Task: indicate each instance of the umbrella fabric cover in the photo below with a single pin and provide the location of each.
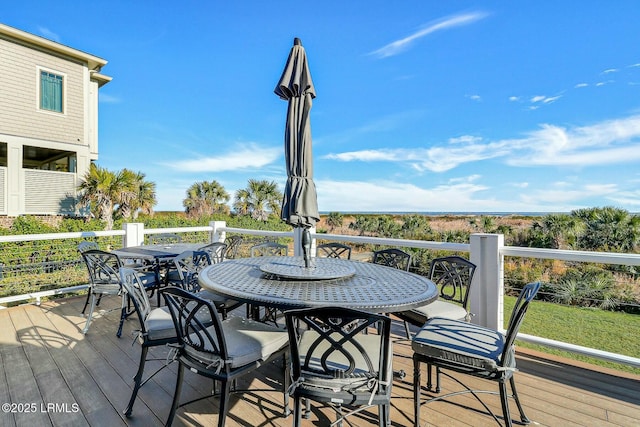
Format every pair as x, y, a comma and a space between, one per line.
300, 201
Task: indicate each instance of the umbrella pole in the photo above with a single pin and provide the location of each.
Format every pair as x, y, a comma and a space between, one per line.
306, 246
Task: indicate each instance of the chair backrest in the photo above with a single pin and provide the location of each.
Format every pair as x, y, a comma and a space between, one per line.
393, 257
329, 343
269, 249
334, 250
520, 308
216, 251
103, 266
233, 245
87, 245
189, 313
453, 275
134, 288
164, 238
188, 264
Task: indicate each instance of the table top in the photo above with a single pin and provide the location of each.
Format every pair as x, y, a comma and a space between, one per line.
152, 252
371, 287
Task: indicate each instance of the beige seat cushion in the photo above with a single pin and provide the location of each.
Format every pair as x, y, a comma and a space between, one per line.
159, 324
441, 308
247, 341
357, 381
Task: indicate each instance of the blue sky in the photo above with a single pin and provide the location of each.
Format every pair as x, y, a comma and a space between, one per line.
456, 106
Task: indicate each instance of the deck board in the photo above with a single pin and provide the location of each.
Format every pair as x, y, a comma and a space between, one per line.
46, 359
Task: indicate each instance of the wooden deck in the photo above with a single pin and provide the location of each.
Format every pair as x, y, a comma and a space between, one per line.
54, 375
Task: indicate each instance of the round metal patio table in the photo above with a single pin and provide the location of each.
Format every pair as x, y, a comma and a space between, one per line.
284, 283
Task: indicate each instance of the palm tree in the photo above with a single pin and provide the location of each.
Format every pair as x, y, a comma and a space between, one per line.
562, 229
98, 191
362, 224
242, 204
414, 225
146, 198
135, 194
205, 198
609, 229
335, 219
259, 199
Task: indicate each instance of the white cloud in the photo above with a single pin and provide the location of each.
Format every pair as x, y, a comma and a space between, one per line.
545, 99
245, 156
401, 45
627, 198
604, 143
108, 99
514, 98
465, 139
474, 97
436, 159
579, 85
368, 156
608, 142
455, 196
395, 196
610, 70
47, 33
562, 194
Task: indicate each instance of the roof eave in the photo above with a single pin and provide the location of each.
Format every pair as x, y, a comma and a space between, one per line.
93, 62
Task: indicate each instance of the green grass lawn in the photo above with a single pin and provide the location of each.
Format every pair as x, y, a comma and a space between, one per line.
610, 331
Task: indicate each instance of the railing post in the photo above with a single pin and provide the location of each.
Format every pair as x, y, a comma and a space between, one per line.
487, 289
133, 234
217, 234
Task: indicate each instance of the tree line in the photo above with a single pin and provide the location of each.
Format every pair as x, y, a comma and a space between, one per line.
601, 229
108, 196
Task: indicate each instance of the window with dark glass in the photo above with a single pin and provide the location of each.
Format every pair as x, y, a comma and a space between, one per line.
48, 159
51, 91
3, 154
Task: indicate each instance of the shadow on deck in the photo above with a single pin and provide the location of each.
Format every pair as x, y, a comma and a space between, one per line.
54, 375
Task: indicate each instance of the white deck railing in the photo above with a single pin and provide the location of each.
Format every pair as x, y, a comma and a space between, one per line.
487, 251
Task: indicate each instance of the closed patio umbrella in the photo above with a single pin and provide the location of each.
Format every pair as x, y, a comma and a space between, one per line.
300, 201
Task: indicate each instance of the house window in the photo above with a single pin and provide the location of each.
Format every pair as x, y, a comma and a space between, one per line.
48, 159
3, 154
51, 91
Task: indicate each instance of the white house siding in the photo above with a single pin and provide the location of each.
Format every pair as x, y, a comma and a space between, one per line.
19, 84
3, 192
49, 193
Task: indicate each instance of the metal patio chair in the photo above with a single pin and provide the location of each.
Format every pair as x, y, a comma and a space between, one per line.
86, 245
216, 250
396, 258
334, 250
104, 279
156, 328
453, 275
334, 363
224, 351
184, 275
269, 249
233, 245
465, 348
